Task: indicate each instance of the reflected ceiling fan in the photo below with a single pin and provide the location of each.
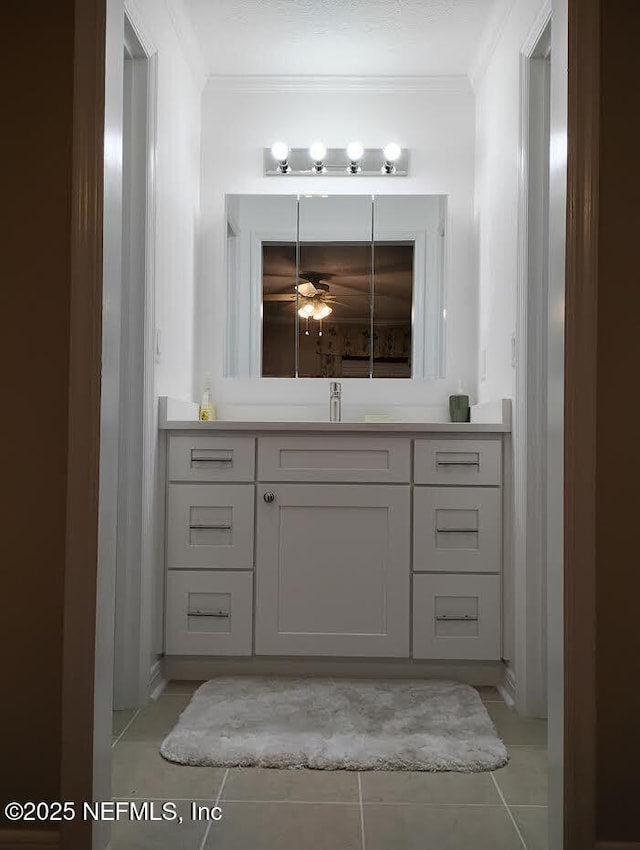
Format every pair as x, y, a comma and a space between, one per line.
312, 297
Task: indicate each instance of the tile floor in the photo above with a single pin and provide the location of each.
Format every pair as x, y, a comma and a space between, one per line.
322, 810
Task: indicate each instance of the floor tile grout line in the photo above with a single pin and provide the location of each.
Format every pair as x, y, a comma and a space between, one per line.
353, 803
509, 812
217, 803
222, 784
364, 846
117, 740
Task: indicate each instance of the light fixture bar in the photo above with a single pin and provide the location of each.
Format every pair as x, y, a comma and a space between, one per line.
336, 164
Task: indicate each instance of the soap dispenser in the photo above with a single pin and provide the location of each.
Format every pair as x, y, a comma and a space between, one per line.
459, 405
207, 410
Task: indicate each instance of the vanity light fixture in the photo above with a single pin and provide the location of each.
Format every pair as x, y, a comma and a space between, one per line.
392, 153
351, 160
355, 152
318, 152
280, 152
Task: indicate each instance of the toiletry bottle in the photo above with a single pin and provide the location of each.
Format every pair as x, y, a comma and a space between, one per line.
459, 405
207, 410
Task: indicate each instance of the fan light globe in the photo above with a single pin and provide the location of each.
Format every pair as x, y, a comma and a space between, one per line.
355, 151
280, 151
318, 151
322, 312
392, 152
306, 311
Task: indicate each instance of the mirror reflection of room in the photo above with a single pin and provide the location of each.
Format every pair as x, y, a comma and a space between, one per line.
346, 297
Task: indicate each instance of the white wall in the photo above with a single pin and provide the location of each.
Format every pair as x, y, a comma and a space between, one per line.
496, 212
177, 192
438, 128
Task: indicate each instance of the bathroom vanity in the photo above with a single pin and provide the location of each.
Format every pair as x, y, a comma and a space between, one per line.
336, 540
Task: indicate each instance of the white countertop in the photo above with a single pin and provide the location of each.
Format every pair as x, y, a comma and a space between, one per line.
340, 427
489, 418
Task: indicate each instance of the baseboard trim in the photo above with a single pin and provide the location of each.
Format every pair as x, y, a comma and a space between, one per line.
29, 839
157, 680
201, 668
507, 687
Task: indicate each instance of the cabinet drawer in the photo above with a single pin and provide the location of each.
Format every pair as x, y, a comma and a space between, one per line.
469, 462
339, 459
209, 613
457, 529
456, 617
206, 458
210, 525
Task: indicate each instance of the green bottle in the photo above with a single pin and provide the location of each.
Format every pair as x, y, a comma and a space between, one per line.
459, 405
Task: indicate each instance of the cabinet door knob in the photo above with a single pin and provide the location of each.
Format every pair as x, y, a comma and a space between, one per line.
269, 497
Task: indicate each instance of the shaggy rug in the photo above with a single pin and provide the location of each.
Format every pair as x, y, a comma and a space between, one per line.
336, 724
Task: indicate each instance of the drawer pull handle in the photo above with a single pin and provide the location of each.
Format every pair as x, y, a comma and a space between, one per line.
269, 497
222, 615
457, 618
458, 463
224, 460
457, 530
223, 526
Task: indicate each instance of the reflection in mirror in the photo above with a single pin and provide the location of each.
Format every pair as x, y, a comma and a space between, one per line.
279, 310
343, 270
392, 303
338, 286
255, 222
336, 271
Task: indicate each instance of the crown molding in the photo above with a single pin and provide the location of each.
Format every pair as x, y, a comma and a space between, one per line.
259, 84
489, 41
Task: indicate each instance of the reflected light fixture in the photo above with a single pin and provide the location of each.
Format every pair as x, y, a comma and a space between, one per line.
306, 311
392, 153
355, 152
318, 152
321, 311
280, 152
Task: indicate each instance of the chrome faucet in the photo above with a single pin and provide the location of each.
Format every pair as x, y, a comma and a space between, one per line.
335, 402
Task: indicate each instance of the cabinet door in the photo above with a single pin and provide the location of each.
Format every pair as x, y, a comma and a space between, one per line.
333, 570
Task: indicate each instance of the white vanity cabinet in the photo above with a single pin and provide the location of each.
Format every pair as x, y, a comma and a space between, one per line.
334, 541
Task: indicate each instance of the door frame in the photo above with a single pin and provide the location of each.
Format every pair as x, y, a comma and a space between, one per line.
580, 397
81, 571
136, 485
530, 424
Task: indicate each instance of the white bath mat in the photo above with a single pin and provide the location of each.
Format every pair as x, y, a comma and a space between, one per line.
336, 724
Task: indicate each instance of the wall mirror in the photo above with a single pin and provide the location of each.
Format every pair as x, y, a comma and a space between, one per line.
335, 286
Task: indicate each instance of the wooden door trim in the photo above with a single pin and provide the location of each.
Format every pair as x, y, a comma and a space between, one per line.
85, 363
581, 309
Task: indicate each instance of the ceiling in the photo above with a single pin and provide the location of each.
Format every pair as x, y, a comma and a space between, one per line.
338, 37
